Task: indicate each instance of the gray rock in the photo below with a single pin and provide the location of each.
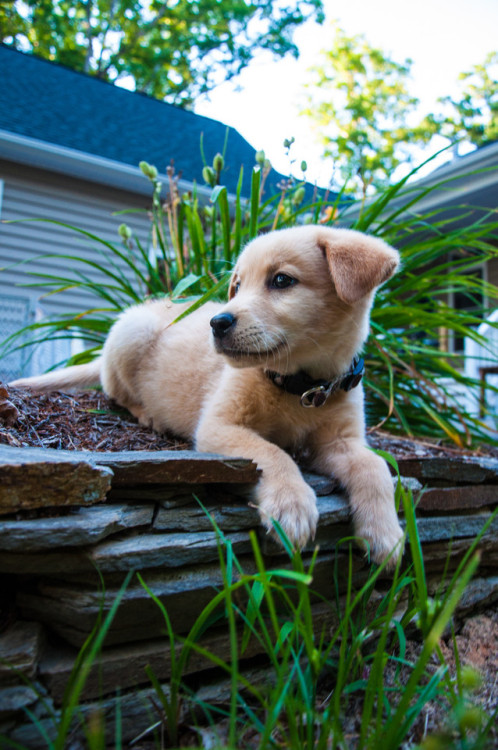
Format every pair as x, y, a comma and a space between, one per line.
15, 698
72, 611
137, 712
173, 467
439, 554
194, 518
123, 666
39, 478
459, 498
79, 527
321, 484
19, 651
165, 495
440, 528
138, 552
464, 469
332, 509
409, 483
162, 550
479, 592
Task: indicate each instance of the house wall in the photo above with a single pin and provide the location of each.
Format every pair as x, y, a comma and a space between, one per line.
493, 273
35, 194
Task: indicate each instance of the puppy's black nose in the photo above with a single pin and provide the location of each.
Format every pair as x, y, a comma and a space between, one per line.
222, 323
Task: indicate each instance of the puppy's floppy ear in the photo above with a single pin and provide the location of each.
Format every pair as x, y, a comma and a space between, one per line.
358, 263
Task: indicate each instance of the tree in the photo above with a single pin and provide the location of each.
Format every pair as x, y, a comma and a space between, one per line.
172, 49
360, 106
474, 116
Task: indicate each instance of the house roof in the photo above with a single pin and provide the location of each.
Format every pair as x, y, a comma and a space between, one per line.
469, 180
462, 190
63, 113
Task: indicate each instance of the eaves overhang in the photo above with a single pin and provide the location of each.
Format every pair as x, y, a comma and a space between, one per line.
40, 154
468, 181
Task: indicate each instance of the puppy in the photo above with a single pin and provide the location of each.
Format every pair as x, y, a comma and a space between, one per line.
276, 369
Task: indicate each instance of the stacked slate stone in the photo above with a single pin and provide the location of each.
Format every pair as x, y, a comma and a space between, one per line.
73, 524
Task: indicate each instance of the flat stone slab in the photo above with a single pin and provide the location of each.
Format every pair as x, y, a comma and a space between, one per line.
230, 516
41, 478
124, 666
458, 498
136, 712
74, 529
441, 528
72, 610
14, 699
19, 651
138, 552
162, 550
181, 536
172, 467
190, 517
464, 469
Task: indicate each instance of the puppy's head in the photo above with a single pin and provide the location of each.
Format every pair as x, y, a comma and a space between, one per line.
300, 298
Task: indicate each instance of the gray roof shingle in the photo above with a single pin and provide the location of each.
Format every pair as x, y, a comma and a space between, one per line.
49, 102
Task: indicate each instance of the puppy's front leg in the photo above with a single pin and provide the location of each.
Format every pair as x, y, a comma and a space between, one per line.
367, 480
281, 492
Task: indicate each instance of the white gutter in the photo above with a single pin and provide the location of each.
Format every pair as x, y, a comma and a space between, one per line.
97, 169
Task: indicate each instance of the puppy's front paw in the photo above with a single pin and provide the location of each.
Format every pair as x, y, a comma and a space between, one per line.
293, 505
381, 535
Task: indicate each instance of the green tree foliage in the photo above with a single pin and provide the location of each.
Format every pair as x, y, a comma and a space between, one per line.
173, 49
359, 102
473, 116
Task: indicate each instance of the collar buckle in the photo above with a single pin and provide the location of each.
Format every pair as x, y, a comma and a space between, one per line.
317, 396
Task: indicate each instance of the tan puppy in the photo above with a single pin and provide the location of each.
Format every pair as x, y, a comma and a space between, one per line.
299, 303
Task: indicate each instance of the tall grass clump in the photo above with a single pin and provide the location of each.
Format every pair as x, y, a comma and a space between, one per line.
338, 674
412, 376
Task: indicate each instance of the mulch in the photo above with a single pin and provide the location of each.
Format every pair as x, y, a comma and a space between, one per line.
85, 421
89, 421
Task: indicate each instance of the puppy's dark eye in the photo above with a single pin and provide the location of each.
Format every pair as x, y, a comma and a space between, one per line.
236, 287
282, 281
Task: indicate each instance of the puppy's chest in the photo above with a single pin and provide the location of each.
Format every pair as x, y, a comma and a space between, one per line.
291, 425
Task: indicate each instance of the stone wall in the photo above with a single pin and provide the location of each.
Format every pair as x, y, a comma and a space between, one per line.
68, 519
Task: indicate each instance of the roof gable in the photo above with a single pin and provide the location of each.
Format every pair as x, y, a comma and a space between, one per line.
46, 101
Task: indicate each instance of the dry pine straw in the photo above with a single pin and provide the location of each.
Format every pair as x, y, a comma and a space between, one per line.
89, 421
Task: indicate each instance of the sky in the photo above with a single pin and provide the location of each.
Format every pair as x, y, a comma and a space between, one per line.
442, 37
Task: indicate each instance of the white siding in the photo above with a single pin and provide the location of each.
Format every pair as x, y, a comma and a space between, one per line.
34, 194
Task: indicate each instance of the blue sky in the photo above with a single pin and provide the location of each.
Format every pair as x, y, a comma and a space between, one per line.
442, 37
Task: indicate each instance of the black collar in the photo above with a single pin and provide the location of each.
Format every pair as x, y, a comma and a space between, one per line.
316, 392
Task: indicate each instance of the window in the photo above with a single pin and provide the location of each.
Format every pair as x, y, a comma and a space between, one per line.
471, 301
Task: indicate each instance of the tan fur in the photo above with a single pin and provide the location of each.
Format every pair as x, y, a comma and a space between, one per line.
172, 376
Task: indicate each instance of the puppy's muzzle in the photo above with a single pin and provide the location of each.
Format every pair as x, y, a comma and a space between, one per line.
222, 324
